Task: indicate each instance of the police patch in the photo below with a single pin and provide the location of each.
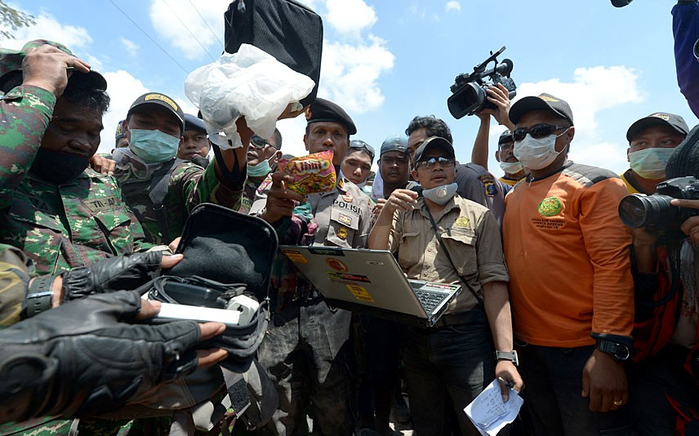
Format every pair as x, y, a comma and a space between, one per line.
342, 233
462, 222
550, 206
345, 219
488, 185
348, 198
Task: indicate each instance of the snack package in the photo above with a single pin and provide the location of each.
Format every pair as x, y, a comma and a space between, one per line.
311, 174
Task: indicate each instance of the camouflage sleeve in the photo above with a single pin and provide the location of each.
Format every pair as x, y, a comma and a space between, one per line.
14, 279
199, 185
25, 113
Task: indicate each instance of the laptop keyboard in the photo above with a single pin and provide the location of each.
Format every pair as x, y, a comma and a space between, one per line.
430, 299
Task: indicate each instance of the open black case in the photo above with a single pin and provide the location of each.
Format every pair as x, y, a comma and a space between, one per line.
226, 254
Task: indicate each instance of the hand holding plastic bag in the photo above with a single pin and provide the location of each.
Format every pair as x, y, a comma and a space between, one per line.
249, 83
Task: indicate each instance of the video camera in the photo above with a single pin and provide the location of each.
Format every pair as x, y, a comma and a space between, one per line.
655, 211
469, 90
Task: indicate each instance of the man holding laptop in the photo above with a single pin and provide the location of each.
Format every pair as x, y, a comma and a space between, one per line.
441, 237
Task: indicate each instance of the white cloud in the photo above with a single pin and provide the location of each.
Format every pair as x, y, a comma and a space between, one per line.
350, 16
453, 6
47, 27
292, 135
165, 16
593, 90
130, 46
350, 73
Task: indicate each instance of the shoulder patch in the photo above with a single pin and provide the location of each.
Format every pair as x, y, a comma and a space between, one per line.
489, 185
587, 175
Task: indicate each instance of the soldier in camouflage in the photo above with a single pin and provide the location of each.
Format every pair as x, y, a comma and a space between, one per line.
158, 187
59, 212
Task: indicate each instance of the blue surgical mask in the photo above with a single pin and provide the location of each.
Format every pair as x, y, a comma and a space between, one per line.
650, 163
153, 146
259, 170
440, 194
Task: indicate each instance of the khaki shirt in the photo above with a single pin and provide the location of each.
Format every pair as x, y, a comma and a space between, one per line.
472, 237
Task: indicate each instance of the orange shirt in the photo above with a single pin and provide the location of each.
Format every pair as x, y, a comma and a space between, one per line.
567, 252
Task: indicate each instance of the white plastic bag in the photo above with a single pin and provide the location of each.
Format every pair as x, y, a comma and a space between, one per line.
249, 83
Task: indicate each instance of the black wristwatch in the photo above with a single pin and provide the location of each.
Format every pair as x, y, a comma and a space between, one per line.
508, 355
39, 296
618, 351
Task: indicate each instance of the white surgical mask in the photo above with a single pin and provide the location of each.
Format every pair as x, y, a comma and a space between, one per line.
650, 163
511, 167
537, 154
440, 194
261, 169
153, 146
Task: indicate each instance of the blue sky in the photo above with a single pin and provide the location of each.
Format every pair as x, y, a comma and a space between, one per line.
387, 61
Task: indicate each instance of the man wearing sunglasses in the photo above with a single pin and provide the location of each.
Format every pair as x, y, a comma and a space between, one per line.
571, 287
442, 237
263, 155
474, 182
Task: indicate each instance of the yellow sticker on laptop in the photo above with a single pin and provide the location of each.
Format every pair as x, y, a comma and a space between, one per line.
360, 293
295, 256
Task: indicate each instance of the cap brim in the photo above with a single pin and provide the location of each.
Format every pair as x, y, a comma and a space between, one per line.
647, 122
528, 104
431, 143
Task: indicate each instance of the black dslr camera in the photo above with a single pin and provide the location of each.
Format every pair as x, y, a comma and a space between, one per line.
655, 211
468, 91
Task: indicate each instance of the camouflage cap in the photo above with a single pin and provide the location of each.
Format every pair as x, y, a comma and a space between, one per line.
11, 65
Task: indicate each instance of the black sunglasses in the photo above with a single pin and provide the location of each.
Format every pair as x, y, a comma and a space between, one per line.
431, 162
361, 145
536, 131
259, 142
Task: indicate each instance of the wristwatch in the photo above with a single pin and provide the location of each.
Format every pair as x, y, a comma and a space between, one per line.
508, 355
618, 351
39, 296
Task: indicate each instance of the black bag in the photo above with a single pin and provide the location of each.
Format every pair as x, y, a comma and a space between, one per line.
286, 29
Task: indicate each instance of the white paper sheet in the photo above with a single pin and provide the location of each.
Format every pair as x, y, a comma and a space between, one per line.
489, 414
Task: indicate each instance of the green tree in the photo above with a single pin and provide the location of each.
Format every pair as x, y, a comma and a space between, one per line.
13, 19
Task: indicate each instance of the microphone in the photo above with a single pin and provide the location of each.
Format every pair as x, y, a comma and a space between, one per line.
620, 3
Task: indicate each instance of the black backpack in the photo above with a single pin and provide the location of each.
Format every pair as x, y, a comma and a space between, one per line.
286, 29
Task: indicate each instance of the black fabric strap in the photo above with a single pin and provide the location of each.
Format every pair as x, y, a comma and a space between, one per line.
463, 281
39, 296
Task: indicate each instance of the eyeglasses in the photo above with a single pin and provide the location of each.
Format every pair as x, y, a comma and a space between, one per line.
431, 162
506, 143
361, 145
395, 160
537, 131
259, 142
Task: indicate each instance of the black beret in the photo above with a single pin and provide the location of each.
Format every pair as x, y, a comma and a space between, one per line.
327, 111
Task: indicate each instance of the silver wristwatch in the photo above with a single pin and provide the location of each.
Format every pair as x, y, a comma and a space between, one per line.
507, 355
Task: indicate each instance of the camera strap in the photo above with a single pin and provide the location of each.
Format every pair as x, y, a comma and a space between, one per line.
463, 281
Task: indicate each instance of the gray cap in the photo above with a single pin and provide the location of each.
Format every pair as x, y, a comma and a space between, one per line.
505, 137
433, 142
541, 102
394, 143
676, 122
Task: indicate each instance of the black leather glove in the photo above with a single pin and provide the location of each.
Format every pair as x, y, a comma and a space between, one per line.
83, 358
113, 274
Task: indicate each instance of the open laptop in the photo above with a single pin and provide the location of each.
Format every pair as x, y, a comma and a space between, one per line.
371, 281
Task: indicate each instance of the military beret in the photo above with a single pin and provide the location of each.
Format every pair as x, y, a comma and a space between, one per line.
322, 110
11, 65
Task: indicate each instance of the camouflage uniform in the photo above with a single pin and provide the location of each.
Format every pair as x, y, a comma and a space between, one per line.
58, 227
305, 349
188, 185
14, 279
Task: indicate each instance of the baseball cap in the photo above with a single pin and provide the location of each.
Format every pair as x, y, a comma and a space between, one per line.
658, 119
161, 100
394, 143
433, 142
541, 102
505, 137
327, 111
11, 66
119, 133
193, 123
